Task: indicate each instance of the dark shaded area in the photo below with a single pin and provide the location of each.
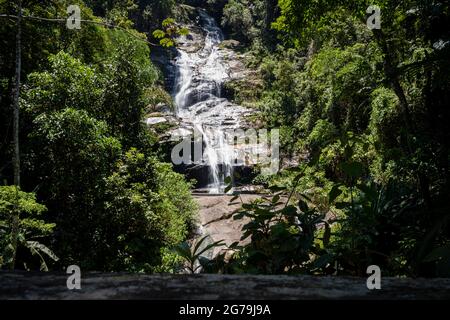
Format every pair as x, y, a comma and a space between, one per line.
222, 287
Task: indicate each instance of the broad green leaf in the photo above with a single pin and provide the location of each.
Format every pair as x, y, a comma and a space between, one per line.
167, 22
198, 244
334, 193
159, 34
233, 199
166, 42
210, 246
275, 199
183, 31
228, 188
238, 216
326, 234
353, 169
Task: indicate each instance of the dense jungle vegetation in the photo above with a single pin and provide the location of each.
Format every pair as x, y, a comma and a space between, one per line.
363, 115
93, 191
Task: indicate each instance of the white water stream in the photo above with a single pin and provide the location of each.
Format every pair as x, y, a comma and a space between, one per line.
197, 95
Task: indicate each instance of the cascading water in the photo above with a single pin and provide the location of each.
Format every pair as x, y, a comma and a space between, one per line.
199, 105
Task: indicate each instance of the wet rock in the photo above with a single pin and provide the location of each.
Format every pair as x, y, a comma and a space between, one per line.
231, 44
155, 120
185, 13
163, 59
203, 66
162, 108
193, 42
158, 117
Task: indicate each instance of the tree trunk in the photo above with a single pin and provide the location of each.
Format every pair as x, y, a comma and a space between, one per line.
16, 160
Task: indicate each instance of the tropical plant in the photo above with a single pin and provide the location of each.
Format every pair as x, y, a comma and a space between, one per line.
171, 30
284, 238
21, 227
192, 255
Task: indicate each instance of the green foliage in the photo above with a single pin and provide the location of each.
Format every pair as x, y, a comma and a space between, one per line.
321, 135
365, 126
193, 255
111, 217
167, 37
159, 34
283, 237
385, 116
20, 227
85, 149
70, 153
129, 73
153, 13
68, 84
238, 17
380, 225
154, 96
112, 91
84, 116
147, 207
301, 20
77, 147
365, 112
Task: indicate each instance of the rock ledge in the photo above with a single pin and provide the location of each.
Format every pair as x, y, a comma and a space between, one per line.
30, 285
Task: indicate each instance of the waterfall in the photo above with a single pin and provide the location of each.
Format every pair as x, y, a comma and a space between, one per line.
197, 95
184, 79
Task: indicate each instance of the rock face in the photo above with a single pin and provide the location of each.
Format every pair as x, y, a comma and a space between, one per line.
162, 58
216, 221
27, 285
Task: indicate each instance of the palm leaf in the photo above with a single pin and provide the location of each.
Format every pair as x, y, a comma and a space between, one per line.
39, 247
210, 246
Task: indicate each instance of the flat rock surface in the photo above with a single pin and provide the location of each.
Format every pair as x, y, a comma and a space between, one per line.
28, 285
215, 218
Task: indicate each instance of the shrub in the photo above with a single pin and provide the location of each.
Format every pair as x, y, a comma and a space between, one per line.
21, 227
148, 209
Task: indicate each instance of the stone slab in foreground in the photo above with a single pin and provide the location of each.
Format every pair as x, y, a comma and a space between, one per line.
23, 285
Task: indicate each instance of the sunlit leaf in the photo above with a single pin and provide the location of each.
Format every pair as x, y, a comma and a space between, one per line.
159, 34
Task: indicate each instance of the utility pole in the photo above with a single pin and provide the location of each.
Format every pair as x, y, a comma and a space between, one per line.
16, 158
